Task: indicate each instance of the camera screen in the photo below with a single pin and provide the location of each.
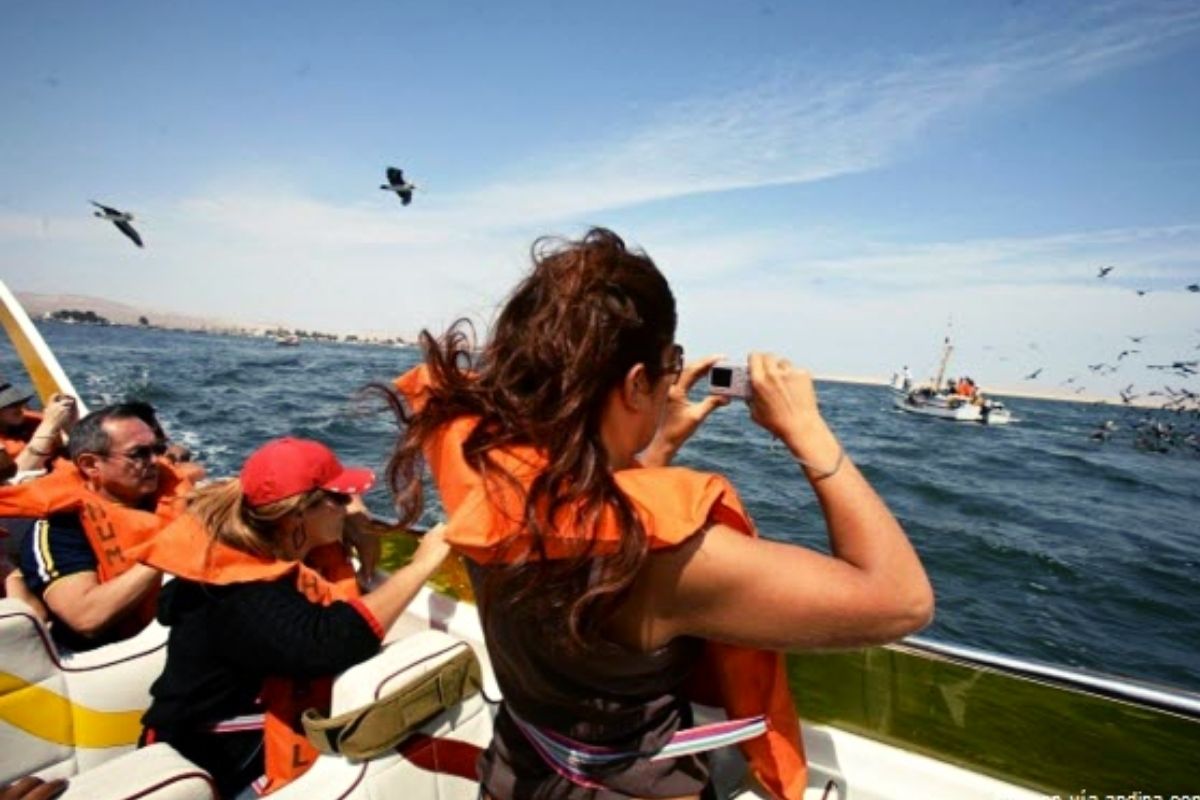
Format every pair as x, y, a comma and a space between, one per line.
721, 377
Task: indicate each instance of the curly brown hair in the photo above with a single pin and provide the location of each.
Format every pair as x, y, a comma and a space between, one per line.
587, 312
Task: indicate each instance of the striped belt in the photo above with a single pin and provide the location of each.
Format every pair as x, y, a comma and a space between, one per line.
573, 759
245, 722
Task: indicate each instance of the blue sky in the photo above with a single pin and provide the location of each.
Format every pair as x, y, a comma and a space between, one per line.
830, 181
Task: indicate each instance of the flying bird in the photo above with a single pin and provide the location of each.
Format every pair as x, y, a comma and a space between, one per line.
119, 218
1103, 273
1135, 339
1033, 375
1141, 292
397, 184
1193, 287
1182, 368
1124, 353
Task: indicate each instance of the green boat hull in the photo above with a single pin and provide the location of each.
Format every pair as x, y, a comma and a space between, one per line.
1034, 733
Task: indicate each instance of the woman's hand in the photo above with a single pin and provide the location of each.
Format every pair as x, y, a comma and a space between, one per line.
432, 550
58, 417
784, 402
683, 417
60, 413
32, 788
388, 601
360, 533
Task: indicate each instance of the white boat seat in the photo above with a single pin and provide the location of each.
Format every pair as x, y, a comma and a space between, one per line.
392, 775
63, 714
156, 772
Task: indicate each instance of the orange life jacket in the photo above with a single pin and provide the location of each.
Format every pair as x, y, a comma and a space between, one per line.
115, 532
186, 550
673, 504
16, 440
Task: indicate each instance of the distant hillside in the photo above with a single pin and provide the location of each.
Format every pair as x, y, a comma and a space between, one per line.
123, 314
38, 305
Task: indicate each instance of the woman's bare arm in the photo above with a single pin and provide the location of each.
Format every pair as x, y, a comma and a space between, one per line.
726, 586
388, 601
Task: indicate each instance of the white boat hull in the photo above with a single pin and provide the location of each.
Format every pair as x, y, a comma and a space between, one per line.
957, 409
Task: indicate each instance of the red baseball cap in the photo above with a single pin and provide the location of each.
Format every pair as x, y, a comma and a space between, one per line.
286, 467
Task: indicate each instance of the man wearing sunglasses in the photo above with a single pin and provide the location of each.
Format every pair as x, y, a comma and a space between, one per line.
93, 516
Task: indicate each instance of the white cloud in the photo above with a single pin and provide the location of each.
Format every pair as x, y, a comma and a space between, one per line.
802, 128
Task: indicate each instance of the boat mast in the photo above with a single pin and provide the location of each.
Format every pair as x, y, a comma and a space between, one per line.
947, 349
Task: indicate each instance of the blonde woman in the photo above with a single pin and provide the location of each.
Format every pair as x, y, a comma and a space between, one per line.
266, 608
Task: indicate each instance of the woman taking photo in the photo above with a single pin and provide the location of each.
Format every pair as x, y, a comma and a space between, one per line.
264, 610
613, 587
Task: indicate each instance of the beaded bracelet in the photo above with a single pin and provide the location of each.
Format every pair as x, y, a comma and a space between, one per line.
820, 474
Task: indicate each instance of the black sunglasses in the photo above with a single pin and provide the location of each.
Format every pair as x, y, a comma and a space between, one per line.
674, 365
321, 495
142, 453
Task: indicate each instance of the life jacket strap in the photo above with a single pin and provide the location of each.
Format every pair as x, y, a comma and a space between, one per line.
378, 727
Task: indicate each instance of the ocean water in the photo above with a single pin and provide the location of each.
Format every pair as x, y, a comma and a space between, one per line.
1041, 542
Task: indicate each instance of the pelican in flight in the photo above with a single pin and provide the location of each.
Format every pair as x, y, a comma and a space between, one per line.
119, 218
1033, 375
1103, 273
397, 184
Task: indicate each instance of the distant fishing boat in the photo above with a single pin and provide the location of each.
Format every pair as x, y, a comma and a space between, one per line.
914, 719
957, 403
287, 341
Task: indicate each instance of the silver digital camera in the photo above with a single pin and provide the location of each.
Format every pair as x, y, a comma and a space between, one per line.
731, 380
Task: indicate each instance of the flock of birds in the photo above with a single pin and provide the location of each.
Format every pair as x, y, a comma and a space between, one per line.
1173, 423
396, 183
1103, 273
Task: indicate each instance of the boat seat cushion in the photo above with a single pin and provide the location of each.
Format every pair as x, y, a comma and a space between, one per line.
156, 772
